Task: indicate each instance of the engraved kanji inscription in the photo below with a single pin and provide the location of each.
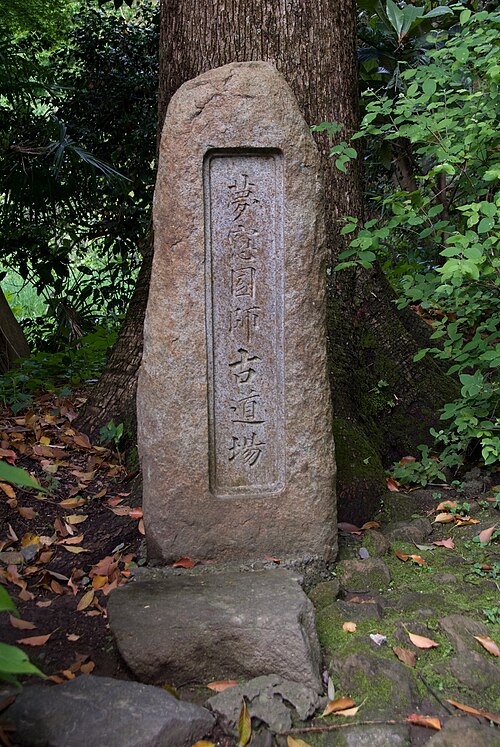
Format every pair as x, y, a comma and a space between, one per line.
244, 291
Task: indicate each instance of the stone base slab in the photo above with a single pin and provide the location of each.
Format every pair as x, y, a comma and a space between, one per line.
212, 626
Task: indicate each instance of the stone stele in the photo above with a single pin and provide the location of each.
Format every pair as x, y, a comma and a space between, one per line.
234, 409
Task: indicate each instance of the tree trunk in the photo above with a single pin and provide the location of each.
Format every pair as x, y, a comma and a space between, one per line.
383, 402
13, 343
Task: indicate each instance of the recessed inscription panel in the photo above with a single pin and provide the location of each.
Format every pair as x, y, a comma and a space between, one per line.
243, 195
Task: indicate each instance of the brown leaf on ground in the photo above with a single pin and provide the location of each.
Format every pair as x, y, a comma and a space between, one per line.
444, 518
87, 668
475, 711
427, 721
421, 641
8, 490
489, 644
184, 563
466, 521
405, 655
371, 525
349, 627
21, 624
446, 505
338, 704
486, 534
35, 640
219, 686
140, 527
346, 527
445, 543
135, 513
407, 460
393, 485
85, 601
72, 502
72, 548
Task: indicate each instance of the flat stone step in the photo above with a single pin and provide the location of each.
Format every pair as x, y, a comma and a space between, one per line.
208, 626
102, 711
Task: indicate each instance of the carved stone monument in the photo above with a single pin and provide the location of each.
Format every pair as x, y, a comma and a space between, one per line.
233, 400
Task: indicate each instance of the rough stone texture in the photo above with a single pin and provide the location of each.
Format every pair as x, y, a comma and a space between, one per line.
324, 593
378, 675
102, 711
474, 671
460, 631
266, 698
211, 492
363, 575
465, 732
409, 531
375, 542
380, 735
178, 629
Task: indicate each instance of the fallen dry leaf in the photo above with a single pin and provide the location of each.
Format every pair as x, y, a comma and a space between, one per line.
27, 513
444, 518
184, 563
446, 505
346, 527
407, 460
71, 502
405, 655
338, 704
349, 711
445, 543
219, 686
392, 485
371, 525
82, 440
271, 559
486, 535
135, 513
88, 667
475, 711
421, 641
35, 640
244, 726
489, 644
21, 624
430, 723
46, 603
73, 637
76, 518
349, 627
291, 742
466, 521
140, 527
203, 743
72, 548
86, 600
8, 490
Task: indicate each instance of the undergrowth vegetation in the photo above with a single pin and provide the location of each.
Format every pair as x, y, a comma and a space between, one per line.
437, 232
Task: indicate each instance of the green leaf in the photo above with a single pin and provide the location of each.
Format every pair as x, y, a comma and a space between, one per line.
244, 726
485, 225
15, 661
464, 16
442, 10
6, 603
395, 16
18, 476
429, 86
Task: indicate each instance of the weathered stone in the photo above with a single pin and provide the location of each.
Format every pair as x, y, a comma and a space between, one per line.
389, 685
409, 531
375, 542
180, 628
460, 631
102, 711
411, 601
363, 575
474, 671
442, 579
465, 732
234, 425
266, 698
356, 612
324, 593
379, 735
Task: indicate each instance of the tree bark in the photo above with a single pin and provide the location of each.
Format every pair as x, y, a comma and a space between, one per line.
383, 401
13, 343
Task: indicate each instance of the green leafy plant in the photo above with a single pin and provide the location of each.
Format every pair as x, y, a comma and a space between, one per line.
111, 433
437, 236
13, 661
492, 615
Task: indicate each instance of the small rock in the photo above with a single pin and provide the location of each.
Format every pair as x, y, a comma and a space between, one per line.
363, 553
460, 630
375, 542
444, 578
265, 697
411, 601
363, 575
474, 671
389, 684
409, 531
102, 711
325, 593
465, 732
357, 612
